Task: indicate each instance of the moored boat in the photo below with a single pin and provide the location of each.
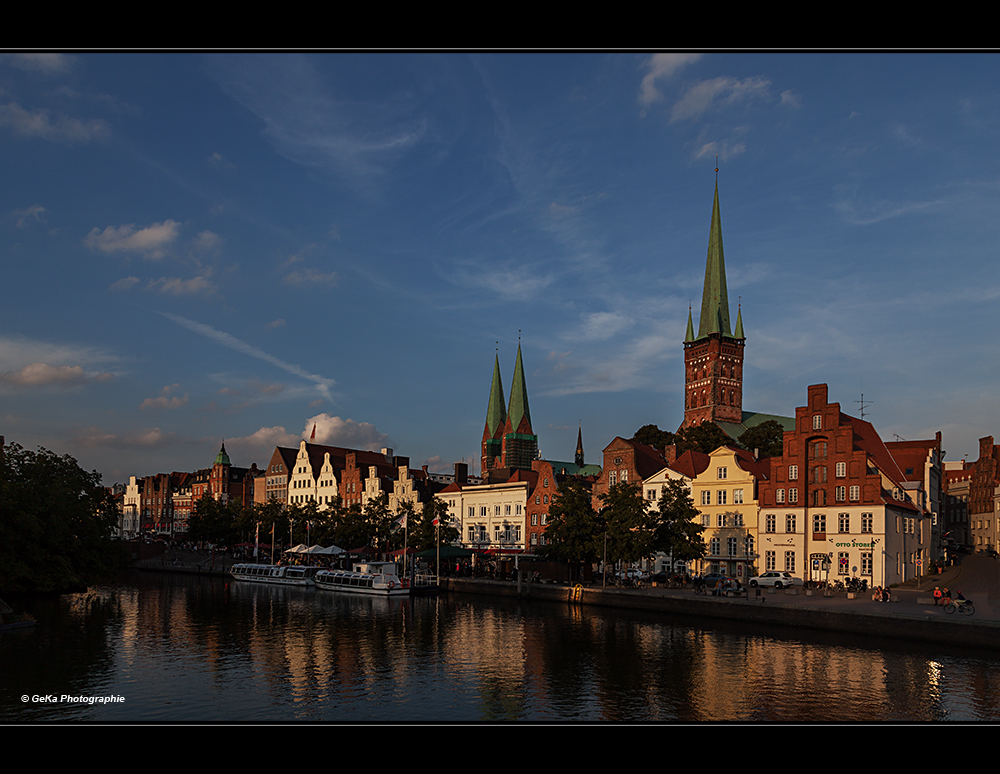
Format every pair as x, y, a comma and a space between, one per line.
270, 573
377, 578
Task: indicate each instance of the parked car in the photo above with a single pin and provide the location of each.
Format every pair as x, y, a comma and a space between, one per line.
779, 580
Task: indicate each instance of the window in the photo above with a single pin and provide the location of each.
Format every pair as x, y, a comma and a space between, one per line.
720, 520
843, 563
844, 522
545, 519
779, 496
706, 520
817, 450
722, 473
790, 525
769, 561
819, 523
748, 545
770, 523
817, 421
731, 546
789, 561
612, 478
866, 564
818, 474
706, 497
538, 500
545, 483
840, 494
737, 496
714, 546
819, 497
545, 499
506, 510
650, 494
721, 497
793, 495
855, 493
793, 472
624, 476
841, 469
534, 520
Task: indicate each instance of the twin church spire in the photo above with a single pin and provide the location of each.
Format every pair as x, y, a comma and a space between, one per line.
508, 440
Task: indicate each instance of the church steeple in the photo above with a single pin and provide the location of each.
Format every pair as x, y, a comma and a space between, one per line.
715, 297
520, 444
496, 418
713, 361
579, 446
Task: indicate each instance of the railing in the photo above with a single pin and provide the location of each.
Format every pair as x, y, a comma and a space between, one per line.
425, 579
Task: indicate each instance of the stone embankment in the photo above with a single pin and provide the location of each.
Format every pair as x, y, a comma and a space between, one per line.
911, 615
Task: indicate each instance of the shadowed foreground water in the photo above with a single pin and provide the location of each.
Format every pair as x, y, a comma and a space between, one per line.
165, 648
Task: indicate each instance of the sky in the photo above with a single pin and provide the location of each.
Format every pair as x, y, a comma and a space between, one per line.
198, 247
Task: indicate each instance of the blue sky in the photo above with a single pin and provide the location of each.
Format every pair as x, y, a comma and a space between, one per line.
199, 247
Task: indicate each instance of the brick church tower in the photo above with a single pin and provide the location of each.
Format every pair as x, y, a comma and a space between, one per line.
508, 440
713, 360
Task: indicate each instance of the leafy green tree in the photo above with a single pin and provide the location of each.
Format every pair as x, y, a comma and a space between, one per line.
575, 531
426, 535
705, 437
674, 523
56, 523
652, 435
624, 513
767, 437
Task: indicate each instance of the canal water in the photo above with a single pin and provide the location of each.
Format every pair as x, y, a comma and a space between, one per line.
166, 648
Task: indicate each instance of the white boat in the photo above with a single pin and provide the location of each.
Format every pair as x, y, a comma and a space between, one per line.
377, 578
291, 575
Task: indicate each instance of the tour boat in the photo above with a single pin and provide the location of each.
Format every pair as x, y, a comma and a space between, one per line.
271, 573
378, 578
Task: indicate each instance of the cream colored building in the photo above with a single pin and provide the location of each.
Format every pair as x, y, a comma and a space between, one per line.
492, 515
725, 494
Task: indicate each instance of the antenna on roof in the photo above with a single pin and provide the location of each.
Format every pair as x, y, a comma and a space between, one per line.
863, 404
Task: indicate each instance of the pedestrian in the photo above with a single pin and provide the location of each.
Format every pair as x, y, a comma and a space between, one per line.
937, 595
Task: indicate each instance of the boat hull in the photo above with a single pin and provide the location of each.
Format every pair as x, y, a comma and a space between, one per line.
281, 576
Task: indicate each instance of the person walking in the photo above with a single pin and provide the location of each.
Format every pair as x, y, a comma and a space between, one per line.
937, 595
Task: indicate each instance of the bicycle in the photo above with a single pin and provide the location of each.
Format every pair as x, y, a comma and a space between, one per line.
965, 606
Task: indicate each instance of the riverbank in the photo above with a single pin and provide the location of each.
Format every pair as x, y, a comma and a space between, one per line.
911, 615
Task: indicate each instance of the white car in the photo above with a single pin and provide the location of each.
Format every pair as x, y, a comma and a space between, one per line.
779, 580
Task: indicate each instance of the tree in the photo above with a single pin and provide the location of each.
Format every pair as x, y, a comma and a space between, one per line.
705, 437
56, 523
652, 435
767, 437
629, 538
676, 530
575, 532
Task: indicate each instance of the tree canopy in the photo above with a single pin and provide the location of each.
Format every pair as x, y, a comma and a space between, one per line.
767, 437
705, 437
56, 523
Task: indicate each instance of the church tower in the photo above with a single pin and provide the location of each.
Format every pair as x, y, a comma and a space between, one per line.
713, 360
520, 444
496, 417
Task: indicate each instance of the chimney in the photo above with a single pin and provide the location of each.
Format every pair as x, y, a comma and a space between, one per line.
461, 473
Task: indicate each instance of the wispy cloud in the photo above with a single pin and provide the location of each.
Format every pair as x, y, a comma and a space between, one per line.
28, 214
165, 400
323, 384
722, 90
43, 125
41, 374
150, 241
661, 67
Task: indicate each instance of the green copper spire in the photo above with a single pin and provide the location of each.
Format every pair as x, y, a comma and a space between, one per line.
689, 336
222, 458
739, 324
518, 408
715, 299
495, 414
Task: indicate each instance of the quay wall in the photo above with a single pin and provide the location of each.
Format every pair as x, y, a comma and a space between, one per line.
950, 631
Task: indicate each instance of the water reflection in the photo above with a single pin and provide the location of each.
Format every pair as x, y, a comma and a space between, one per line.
196, 649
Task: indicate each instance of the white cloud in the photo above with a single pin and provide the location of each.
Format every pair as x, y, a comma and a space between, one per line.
182, 287
311, 277
37, 374
28, 214
46, 63
265, 438
125, 283
704, 94
165, 400
150, 241
41, 124
334, 431
662, 67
